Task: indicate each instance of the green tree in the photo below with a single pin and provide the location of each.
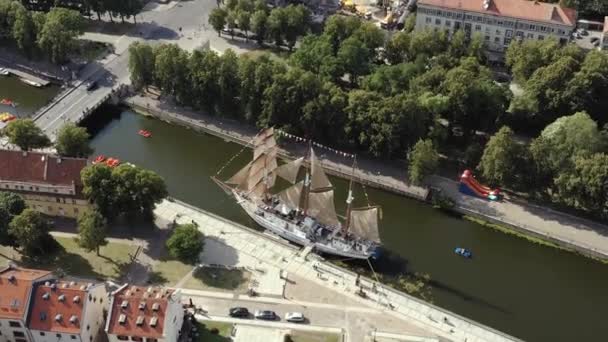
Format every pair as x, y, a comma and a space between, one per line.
355, 58
11, 205
231, 4
588, 89
424, 161
244, 20
59, 32
392, 79
73, 141
231, 20
525, 57
397, 48
500, 163
203, 77
338, 28
186, 243
137, 191
217, 19
170, 70
260, 5
229, 82
259, 25
141, 64
428, 43
277, 25
371, 36
31, 232
99, 187
245, 6
297, 23
92, 231
25, 134
24, 30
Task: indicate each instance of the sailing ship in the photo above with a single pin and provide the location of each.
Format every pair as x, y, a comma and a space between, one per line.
304, 212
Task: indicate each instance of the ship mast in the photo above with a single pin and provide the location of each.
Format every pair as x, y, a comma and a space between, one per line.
349, 197
307, 182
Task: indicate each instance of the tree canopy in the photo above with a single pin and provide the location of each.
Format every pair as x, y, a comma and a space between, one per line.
424, 161
73, 141
11, 205
92, 231
186, 243
25, 134
31, 232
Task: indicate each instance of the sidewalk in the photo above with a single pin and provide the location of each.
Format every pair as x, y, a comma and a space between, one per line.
571, 232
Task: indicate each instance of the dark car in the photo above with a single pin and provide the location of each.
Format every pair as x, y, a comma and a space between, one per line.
238, 312
266, 315
90, 85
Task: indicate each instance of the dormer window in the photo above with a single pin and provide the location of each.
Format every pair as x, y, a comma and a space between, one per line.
122, 319
153, 321
46, 296
140, 320
155, 307
142, 306
61, 298
58, 317
73, 319
76, 299
124, 304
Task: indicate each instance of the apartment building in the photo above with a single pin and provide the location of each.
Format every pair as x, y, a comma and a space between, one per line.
48, 184
144, 314
67, 311
498, 21
15, 293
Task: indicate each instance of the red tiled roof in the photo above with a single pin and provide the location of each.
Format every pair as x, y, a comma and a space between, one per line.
39, 167
132, 297
58, 307
522, 9
15, 286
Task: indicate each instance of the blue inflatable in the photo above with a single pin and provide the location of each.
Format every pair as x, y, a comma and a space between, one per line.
463, 252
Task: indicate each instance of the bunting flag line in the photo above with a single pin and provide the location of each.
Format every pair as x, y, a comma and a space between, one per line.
300, 139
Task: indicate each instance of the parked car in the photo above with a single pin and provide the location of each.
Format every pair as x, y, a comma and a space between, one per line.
595, 39
238, 312
90, 85
294, 317
596, 43
265, 314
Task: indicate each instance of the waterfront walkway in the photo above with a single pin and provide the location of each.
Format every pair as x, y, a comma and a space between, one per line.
572, 232
267, 252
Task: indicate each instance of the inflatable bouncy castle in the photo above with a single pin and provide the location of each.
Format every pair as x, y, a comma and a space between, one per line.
470, 186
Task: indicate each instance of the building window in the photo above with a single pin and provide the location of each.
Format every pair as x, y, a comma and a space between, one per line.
496, 39
18, 334
509, 33
507, 41
487, 30
58, 335
428, 20
75, 210
73, 201
448, 23
437, 21
449, 14
88, 327
151, 340
19, 340
73, 337
530, 35
136, 338
122, 337
532, 27
469, 17
58, 200
499, 22
42, 333
14, 324
31, 188
487, 38
477, 27
541, 37
498, 32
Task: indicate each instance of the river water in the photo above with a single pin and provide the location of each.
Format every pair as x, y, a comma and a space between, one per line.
533, 292
29, 98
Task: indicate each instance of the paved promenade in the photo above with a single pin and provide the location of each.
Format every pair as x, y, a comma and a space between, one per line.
266, 251
585, 236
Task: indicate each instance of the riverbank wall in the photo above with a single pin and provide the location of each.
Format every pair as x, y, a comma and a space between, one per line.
571, 233
291, 259
342, 171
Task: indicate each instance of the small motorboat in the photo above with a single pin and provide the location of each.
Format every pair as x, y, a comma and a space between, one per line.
4, 72
6, 102
99, 159
463, 252
144, 133
31, 83
112, 162
6, 117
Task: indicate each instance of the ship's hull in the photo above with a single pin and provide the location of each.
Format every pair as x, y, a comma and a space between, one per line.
287, 230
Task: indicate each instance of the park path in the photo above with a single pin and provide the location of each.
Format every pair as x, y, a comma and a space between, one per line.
573, 232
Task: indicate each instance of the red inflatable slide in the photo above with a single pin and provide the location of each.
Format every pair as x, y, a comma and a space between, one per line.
470, 186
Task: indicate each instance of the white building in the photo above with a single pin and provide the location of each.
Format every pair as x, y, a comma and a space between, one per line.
15, 294
498, 21
137, 313
67, 311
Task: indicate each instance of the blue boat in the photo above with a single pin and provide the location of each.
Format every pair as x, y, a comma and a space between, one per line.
463, 252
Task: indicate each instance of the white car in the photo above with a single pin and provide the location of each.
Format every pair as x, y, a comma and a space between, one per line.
294, 317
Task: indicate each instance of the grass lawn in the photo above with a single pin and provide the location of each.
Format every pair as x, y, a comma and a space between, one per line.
214, 331
113, 261
306, 336
169, 272
275, 55
207, 278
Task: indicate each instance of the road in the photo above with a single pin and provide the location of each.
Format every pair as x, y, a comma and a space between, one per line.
181, 23
356, 321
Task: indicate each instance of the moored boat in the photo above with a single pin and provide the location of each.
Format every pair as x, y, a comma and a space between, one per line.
463, 252
99, 159
304, 212
4, 72
144, 133
112, 162
31, 83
